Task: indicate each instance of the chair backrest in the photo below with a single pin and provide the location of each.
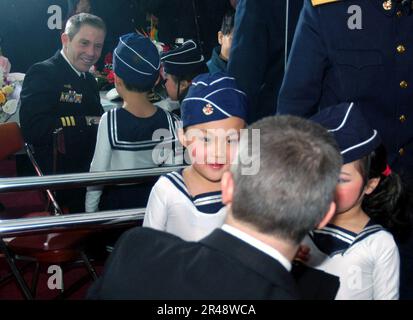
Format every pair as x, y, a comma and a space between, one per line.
11, 139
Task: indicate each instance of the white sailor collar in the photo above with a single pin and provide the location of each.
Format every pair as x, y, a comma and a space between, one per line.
209, 202
333, 240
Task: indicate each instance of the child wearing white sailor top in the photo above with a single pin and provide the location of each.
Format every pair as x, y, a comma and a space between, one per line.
125, 135
188, 203
369, 197
180, 66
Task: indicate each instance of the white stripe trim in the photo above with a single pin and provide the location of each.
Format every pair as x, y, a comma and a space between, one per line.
181, 52
128, 65
200, 82
345, 119
134, 144
336, 236
208, 199
361, 143
148, 62
335, 231
213, 82
217, 196
369, 229
187, 62
205, 203
216, 91
179, 182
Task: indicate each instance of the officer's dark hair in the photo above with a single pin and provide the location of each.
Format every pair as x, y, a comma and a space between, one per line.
75, 22
388, 203
299, 165
228, 22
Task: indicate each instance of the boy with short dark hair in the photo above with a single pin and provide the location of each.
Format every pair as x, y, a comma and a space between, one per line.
220, 54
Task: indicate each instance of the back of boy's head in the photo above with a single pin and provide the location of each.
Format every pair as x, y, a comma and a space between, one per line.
213, 97
136, 61
184, 62
228, 23
294, 187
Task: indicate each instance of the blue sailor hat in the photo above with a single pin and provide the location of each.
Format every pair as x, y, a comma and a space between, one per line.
136, 60
184, 60
355, 137
213, 97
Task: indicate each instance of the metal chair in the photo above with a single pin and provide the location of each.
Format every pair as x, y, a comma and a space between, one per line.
45, 249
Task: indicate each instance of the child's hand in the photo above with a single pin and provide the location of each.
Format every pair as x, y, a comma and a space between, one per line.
303, 253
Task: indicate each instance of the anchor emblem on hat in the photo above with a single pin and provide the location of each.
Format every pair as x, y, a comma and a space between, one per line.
387, 5
208, 110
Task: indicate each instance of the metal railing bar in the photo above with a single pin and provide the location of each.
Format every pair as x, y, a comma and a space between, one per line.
103, 219
67, 181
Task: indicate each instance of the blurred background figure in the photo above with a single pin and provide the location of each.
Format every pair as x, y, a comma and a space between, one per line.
262, 37
220, 54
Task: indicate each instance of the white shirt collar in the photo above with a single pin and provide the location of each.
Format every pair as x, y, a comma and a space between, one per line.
259, 245
67, 60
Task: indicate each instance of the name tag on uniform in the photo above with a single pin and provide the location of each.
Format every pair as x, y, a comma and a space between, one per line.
71, 96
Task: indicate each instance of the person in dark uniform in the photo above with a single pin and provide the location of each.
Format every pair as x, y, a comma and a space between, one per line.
359, 51
250, 256
259, 49
60, 94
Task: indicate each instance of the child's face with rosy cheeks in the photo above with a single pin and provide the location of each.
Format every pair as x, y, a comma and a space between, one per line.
351, 188
212, 146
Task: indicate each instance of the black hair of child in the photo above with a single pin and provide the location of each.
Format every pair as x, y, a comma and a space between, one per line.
228, 22
388, 204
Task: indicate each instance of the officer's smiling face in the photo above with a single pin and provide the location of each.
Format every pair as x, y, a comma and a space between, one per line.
84, 50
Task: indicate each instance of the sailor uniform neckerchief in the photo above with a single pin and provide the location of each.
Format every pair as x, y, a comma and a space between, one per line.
122, 128
209, 202
333, 240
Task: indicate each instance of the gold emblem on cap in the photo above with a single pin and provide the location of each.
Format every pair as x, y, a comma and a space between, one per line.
387, 5
208, 110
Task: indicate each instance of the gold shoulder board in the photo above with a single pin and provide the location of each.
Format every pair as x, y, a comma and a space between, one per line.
320, 2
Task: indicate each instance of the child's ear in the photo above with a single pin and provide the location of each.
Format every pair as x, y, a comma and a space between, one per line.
183, 84
328, 216
181, 137
371, 185
227, 187
220, 36
118, 81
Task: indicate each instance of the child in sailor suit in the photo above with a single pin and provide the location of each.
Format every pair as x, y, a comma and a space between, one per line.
125, 137
188, 203
355, 244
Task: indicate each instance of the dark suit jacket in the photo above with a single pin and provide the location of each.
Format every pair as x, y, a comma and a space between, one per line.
48, 102
258, 51
149, 264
